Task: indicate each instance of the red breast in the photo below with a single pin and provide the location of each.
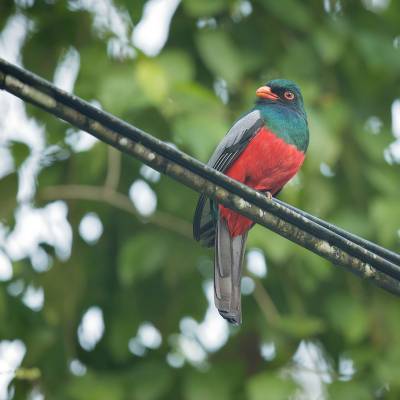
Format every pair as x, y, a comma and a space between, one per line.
266, 164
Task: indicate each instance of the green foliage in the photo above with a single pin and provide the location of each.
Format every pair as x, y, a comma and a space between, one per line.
349, 391
267, 383
228, 64
8, 190
20, 151
204, 8
147, 269
137, 260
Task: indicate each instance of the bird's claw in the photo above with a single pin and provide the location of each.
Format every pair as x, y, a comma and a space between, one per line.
269, 195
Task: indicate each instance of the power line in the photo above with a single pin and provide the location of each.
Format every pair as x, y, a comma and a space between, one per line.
366, 244
364, 258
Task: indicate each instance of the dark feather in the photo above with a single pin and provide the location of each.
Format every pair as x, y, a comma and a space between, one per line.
225, 154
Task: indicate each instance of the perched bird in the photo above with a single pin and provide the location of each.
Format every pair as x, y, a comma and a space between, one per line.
264, 149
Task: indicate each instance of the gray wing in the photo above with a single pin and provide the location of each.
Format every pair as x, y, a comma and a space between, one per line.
236, 139
231, 146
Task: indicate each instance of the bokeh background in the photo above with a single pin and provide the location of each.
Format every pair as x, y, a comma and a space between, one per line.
103, 293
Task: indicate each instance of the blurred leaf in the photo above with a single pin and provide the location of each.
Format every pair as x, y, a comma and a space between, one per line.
220, 55
382, 179
192, 98
348, 317
219, 384
89, 164
355, 221
28, 374
2, 307
8, 199
348, 391
301, 326
386, 366
324, 145
152, 79
20, 152
298, 17
385, 215
120, 92
268, 383
204, 8
177, 65
141, 256
329, 45
274, 246
325, 201
135, 8
199, 133
372, 43
150, 381
95, 387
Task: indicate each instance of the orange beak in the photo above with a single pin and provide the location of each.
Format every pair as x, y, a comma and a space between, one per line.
265, 92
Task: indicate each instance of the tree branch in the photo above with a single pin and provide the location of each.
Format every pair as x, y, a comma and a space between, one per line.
114, 168
267, 306
117, 200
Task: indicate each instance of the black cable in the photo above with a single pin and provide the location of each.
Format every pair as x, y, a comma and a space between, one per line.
370, 253
381, 251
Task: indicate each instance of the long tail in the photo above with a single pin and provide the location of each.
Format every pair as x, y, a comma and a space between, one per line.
228, 262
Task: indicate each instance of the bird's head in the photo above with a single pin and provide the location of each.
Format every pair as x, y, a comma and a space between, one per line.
281, 92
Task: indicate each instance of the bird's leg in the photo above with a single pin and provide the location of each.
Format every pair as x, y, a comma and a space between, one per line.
268, 194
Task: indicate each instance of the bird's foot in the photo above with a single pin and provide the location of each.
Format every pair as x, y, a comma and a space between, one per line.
269, 195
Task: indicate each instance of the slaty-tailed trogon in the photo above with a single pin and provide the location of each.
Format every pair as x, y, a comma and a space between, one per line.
264, 149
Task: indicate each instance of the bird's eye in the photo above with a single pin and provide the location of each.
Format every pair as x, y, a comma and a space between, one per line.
288, 95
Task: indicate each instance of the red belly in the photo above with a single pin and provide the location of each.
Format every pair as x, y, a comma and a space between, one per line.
266, 164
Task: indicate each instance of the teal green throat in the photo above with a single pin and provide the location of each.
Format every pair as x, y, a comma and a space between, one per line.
286, 120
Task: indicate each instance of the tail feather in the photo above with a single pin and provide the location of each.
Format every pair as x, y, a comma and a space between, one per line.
228, 262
